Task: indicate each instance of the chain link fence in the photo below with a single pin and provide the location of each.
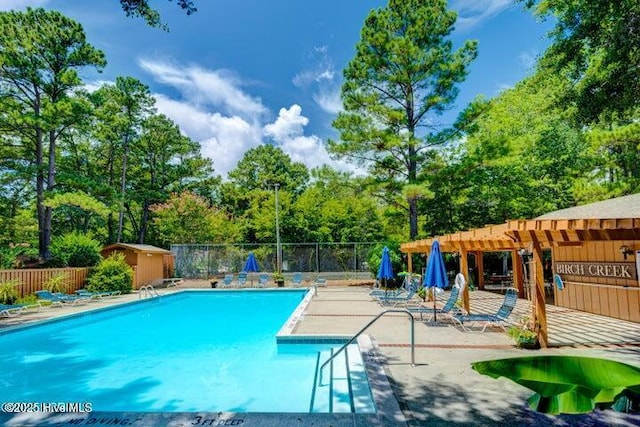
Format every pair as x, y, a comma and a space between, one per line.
333, 260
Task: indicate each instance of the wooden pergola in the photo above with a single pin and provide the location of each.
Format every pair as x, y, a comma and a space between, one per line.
532, 236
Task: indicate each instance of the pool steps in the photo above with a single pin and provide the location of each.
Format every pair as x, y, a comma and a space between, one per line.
343, 387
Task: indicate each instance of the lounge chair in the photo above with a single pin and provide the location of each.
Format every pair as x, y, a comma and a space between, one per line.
12, 310
227, 282
296, 280
377, 292
60, 299
498, 318
401, 298
446, 309
320, 281
263, 280
242, 279
96, 295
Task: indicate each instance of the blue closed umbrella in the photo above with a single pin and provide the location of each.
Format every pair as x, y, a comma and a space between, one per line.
251, 265
385, 271
436, 274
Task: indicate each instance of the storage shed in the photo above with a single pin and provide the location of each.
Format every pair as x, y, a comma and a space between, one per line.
149, 263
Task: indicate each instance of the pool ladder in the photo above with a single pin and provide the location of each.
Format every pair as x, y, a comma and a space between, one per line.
413, 340
147, 291
343, 349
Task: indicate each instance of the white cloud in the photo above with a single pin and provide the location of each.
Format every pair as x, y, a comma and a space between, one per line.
329, 100
219, 88
290, 123
320, 77
214, 110
224, 139
527, 60
21, 4
288, 133
472, 13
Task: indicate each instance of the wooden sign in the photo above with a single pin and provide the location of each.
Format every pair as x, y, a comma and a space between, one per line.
612, 270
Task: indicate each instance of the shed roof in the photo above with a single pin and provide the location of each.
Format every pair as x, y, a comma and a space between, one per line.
137, 248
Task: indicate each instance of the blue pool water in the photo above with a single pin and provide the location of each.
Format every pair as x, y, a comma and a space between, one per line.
192, 351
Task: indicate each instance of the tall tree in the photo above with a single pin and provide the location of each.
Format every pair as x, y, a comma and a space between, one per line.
40, 55
597, 45
263, 166
162, 160
405, 70
122, 108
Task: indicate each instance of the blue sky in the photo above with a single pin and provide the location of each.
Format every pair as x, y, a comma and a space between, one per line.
241, 72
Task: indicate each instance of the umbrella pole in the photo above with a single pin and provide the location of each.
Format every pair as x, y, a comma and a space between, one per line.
434, 305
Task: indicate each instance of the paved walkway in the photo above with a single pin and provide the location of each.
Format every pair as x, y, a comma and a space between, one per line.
442, 389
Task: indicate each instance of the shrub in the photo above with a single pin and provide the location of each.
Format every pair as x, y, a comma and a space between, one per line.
58, 283
13, 255
111, 274
9, 291
76, 250
29, 300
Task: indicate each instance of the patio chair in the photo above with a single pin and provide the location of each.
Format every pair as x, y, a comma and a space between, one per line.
377, 292
263, 280
96, 295
60, 299
320, 281
403, 298
11, 310
446, 309
242, 279
498, 318
227, 281
296, 280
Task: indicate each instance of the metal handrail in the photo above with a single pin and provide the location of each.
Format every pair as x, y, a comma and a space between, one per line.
147, 290
392, 310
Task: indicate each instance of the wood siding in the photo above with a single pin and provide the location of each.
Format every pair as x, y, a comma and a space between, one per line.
614, 297
33, 280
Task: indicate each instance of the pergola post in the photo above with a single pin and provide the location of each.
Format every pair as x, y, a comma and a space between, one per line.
518, 282
464, 269
539, 303
480, 266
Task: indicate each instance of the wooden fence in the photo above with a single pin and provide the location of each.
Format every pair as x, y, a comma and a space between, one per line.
33, 280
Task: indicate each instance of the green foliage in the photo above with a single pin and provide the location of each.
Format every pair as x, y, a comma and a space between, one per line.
111, 274
10, 255
523, 331
57, 283
187, 218
569, 384
595, 44
28, 300
76, 250
80, 200
141, 9
9, 292
265, 165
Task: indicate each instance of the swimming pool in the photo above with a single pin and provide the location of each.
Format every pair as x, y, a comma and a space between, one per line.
190, 351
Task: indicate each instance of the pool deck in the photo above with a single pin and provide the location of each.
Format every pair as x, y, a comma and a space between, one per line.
441, 388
